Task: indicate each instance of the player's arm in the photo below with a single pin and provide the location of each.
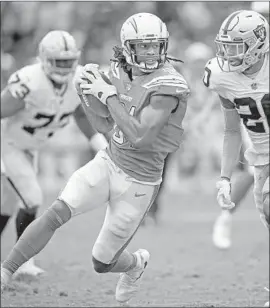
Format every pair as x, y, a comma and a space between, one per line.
101, 124
232, 138
143, 130
83, 123
97, 140
10, 105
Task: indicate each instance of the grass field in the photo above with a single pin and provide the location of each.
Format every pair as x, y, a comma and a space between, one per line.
185, 269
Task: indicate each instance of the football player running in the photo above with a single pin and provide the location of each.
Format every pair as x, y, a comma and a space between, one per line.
147, 103
240, 76
222, 229
38, 101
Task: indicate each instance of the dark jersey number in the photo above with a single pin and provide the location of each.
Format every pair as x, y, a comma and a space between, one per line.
266, 107
206, 77
39, 116
249, 112
64, 119
47, 120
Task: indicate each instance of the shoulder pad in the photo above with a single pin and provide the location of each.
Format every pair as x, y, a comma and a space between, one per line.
167, 82
214, 78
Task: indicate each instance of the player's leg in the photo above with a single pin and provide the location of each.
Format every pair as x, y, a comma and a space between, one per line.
21, 175
261, 196
22, 179
87, 189
223, 224
261, 192
3, 222
123, 217
129, 203
155, 207
8, 203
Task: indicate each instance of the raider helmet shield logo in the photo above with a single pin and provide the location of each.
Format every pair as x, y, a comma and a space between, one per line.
260, 33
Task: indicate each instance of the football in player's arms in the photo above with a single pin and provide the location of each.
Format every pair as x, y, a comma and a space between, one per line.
147, 100
92, 102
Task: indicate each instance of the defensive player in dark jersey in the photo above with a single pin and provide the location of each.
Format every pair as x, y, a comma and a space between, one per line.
145, 106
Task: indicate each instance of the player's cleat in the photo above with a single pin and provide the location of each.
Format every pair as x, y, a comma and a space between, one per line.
129, 282
222, 230
29, 268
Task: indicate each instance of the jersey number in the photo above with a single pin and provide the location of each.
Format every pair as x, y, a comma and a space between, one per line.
22, 90
255, 117
118, 135
206, 77
47, 120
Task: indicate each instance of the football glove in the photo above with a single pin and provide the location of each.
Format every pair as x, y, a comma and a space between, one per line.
96, 85
224, 194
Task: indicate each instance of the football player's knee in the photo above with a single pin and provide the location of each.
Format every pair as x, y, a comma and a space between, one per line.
121, 226
58, 214
101, 267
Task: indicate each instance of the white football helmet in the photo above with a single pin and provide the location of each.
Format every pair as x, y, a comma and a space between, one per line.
242, 40
59, 55
144, 28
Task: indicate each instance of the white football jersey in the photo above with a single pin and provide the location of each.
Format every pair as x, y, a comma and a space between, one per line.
251, 99
47, 109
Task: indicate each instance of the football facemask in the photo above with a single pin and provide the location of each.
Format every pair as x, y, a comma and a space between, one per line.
144, 29
242, 40
59, 55
148, 55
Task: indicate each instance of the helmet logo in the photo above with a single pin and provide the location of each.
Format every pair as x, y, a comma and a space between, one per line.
260, 33
248, 59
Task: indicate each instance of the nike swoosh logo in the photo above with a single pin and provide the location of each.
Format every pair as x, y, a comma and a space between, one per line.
139, 195
145, 264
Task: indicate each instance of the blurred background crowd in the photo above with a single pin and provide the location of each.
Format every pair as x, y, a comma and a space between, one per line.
96, 27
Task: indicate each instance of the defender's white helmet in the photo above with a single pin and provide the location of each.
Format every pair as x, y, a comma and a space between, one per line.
244, 35
59, 55
144, 28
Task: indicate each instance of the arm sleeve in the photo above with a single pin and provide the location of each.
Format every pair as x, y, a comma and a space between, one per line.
231, 143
